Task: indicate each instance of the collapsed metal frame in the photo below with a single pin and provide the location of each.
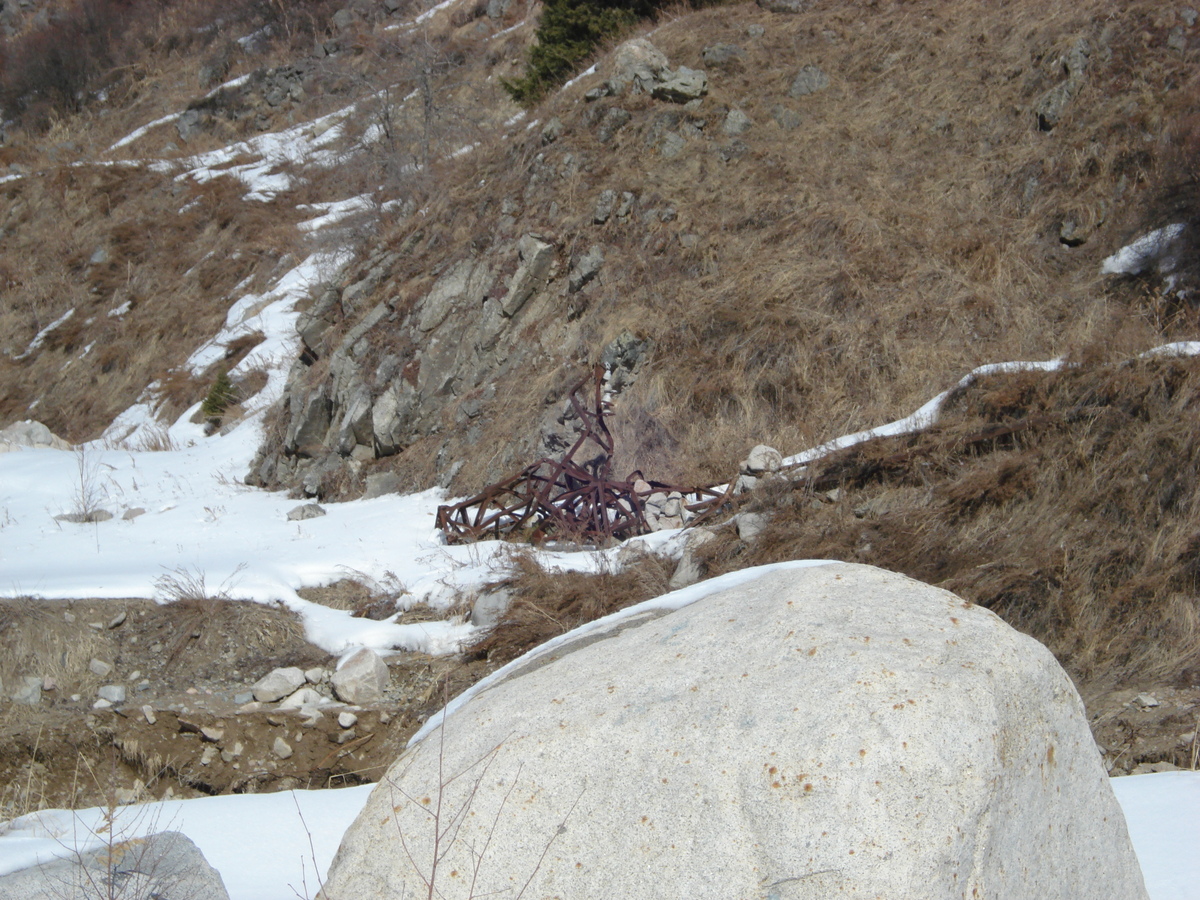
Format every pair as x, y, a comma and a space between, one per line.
566, 499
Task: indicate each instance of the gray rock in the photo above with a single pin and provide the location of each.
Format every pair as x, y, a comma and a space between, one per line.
750, 525
310, 419
1189, 16
827, 731
762, 459
347, 719
736, 122
282, 748
391, 417
343, 19
605, 204
489, 608
363, 678
672, 145
689, 570
552, 131
1176, 39
28, 691
113, 693
787, 119
722, 54
497, 9
637, 66
188, 125
585, 269
277, 684
614, 120
305, 511
30, 434
380, 484
316, 675
684, 86
1050, 108
167, 866
535, 259
305, 697
100, 668
808, 80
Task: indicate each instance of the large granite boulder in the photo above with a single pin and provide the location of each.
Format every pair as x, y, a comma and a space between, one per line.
830, 731
163, 866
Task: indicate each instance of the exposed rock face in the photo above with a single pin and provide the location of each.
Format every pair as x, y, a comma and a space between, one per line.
165, 865
363, 678
31, 435
1051, 106
836, 730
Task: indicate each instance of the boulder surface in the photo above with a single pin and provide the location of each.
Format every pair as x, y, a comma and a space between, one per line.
831, 731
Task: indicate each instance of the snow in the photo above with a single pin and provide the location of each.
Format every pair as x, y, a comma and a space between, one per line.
40, 337
1150, 249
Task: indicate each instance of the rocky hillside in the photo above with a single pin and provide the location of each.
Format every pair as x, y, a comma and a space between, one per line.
772, 223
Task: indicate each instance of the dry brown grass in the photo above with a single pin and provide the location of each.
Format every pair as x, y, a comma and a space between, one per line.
546, 604
1080, 527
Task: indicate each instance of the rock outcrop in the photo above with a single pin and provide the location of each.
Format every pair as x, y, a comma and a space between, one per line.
835, 730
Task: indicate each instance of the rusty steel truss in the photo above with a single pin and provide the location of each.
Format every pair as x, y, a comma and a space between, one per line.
573, 498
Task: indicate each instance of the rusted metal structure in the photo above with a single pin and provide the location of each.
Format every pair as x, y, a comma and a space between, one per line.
573, 498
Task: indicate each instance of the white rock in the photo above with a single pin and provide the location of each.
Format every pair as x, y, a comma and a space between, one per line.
113, 693
282, 748
689, 570
99, 668
306, 696
750, 525
831, 731
347, 719
278, 684
315, 675
148, 712
762, 459
363, 678
489, 608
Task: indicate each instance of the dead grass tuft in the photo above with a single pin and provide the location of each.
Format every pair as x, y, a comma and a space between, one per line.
546, 604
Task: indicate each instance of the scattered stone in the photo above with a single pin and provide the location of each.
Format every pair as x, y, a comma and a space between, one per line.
845, 673
1151, 768
113, 693
490, 608
117, 621
209, 754
49, 683
1176, 39
32, 435
229, 754
380, 484
1146, 701
305, 697
29, 691
306, 511
762, 459
1052, 105
385, 717
809, 80
69, 617
347, 719
787, 119
362, 678
605, 204
744, 484
282, 748
343, 737
637, 66
614, 120
1189, 16
243, 697
736, 122
316, 675
750, 525
132, 513
689, 569
684, 86
166, 865
148, 713
552, 131
135, 674
755, 30
278, 684
99, 668
585, 269
102, 703
212, 733
722, 55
